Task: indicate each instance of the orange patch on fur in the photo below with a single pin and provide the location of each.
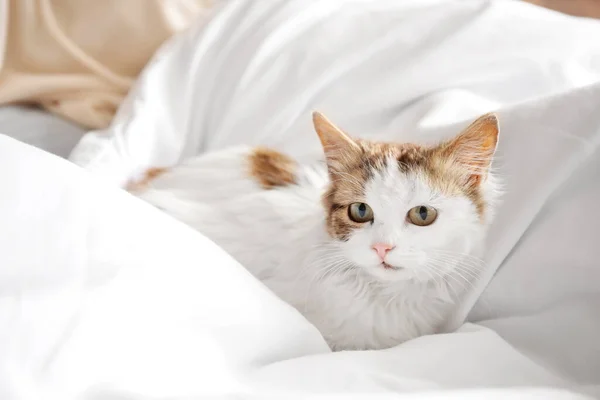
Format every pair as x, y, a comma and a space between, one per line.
150, 174
271, 168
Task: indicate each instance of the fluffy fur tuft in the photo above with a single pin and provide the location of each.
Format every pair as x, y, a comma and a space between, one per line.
367, 281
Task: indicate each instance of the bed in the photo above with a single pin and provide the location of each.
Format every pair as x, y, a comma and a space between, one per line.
106, 297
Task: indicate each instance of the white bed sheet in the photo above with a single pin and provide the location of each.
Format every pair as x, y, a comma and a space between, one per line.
101, 292
105, 297
390, 69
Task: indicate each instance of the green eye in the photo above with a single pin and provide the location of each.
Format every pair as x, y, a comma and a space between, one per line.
422, 215
360, 212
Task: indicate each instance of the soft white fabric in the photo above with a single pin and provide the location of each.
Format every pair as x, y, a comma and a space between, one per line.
104, 296
100, 290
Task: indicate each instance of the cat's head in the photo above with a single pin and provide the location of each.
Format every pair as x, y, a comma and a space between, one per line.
407, 211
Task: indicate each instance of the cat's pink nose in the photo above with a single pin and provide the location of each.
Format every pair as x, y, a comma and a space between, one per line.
382, 249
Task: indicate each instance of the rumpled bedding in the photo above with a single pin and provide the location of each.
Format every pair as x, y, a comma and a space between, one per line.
105, 297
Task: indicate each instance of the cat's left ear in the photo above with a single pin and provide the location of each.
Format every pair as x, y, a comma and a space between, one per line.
474, 148
339, 148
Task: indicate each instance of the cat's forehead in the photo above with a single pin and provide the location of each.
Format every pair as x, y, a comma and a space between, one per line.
382, 164
395, 184
393, 170
413, 167
378, 156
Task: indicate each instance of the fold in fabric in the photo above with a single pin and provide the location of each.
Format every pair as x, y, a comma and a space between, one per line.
78, 59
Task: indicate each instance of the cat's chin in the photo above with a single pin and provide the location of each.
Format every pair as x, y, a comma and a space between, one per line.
389, 273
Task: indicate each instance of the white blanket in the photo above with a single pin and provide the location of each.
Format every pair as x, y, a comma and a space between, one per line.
105, 297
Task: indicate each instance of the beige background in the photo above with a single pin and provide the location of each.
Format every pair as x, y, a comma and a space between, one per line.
78, 58
583, 8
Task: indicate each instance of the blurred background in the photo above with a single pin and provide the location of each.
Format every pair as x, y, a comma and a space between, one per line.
580, 8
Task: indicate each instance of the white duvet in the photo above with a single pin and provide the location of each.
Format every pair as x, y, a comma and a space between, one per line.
104, 297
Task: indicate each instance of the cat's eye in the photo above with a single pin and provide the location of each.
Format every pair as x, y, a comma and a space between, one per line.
422, 215
360, 212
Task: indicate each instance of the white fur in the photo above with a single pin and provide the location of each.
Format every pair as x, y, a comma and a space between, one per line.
280, 237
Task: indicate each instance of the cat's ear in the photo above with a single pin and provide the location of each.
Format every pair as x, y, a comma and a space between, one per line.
338, 146
473, 149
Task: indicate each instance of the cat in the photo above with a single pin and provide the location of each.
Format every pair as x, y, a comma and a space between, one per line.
374, 246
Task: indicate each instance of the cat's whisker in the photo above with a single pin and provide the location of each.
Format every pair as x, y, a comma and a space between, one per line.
466, 283
466, 279
471, 268
320, 275
471, 262
440, 268
339, 267
456, 254
445, 280
452, 254
472, 279
470, 275
459, 261
472, 272
326, 259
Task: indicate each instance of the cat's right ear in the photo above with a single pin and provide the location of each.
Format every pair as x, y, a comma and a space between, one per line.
338, 147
